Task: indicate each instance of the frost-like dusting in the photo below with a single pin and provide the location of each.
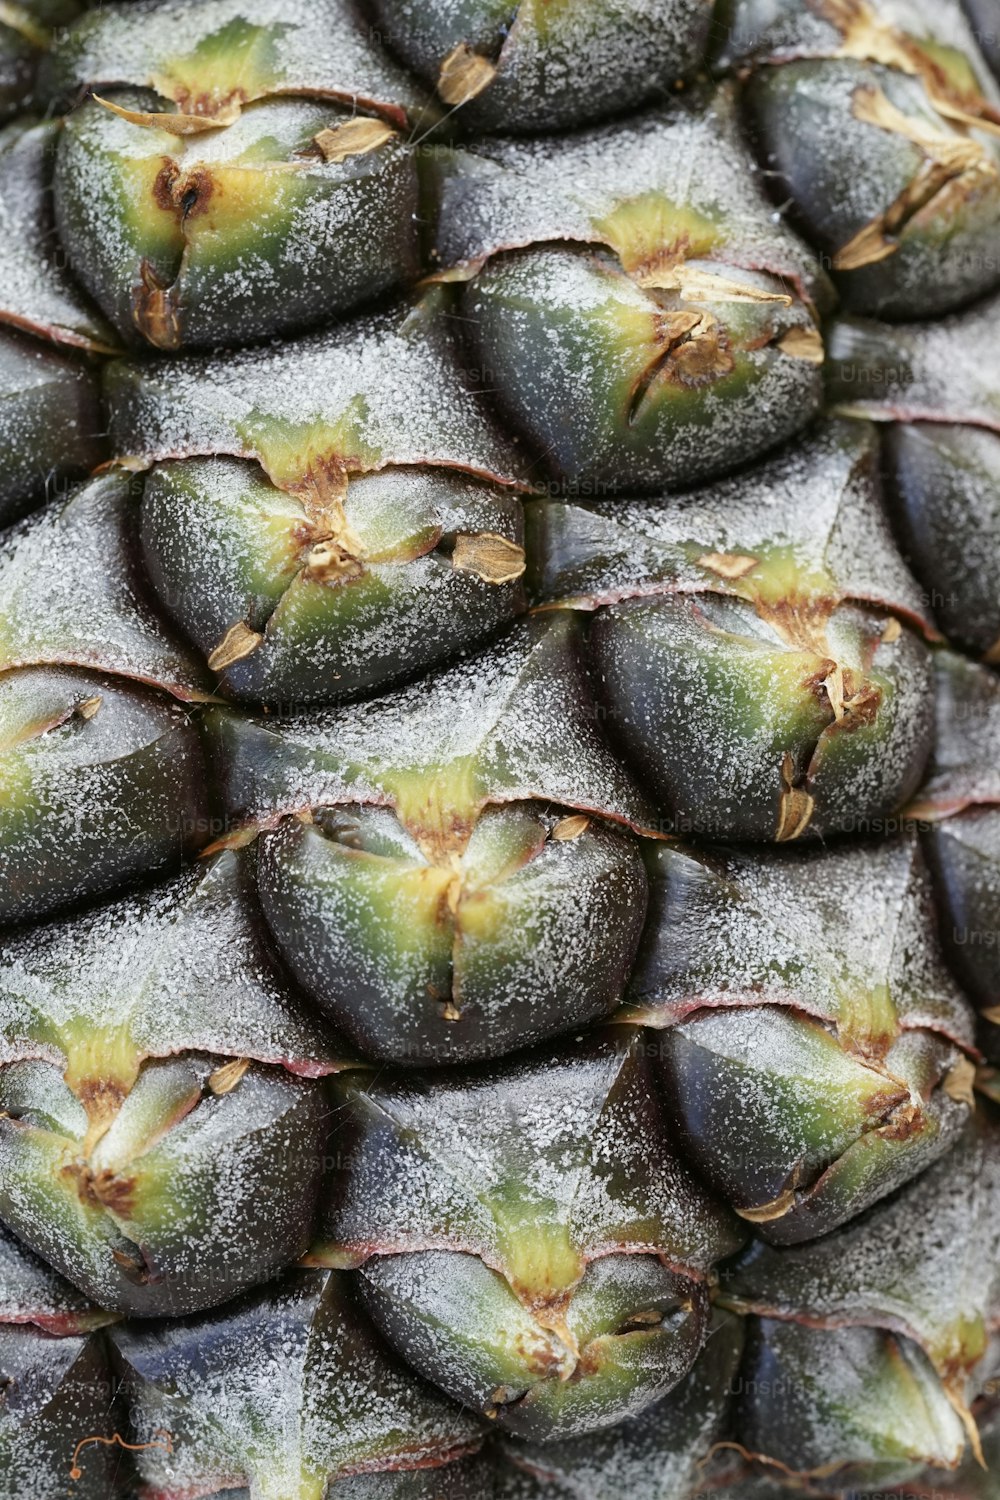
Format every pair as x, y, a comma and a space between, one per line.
506, 194
965, 767
290, 46
571, 338
69, 595
924, 1263
50, 423
385, 389
941, 371
519, 716
817, 502
841, 933
556, 65
413, 977
851, 178
31, 1292
850, 1396
36, 289
287, 1386
222, 545
566, 1145
324, 236
54, 1389
707, 697
764, 30
106, 783
657, 1455
177, 968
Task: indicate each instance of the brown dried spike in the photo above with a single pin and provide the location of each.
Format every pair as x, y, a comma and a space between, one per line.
768, 1212
225, 1079
177, 122
960, 1082
992, 657
797, 806
89, 707
570, 828
492, 558
729, 565
330, 561
693, 284
238, 642
950, 158
353, 138
803, 343
155, 311
833, 683
892, 632
464, 75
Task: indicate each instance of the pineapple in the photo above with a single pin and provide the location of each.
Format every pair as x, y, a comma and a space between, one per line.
499, 724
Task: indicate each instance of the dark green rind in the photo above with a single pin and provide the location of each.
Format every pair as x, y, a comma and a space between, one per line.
959, 812
24, 41
136, 1216
324, 408
944, 484
530, 933
807, 1053
290, 1391
58, 1418
658, 1455
72, 594
857, 1406
570, 341
709, 702
51, 425
37, 293
516, 723
229, 50
514, 1222
877, 1338
102, 783
222, 545
249, 231
839, 173
32, 1293
917, 372
558, 65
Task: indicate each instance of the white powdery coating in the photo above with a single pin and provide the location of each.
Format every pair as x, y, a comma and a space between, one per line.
925, 1263
393, 381
940, 372
965, 767
309, 47
517, 193
69, 595
31, 1292
574, 402
484, 1161
574, 907
36, 290
521, 711
811, 929
300, 1387
818, 499
555, 64
54, 1388
178, 968
763, 30
657, 1455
